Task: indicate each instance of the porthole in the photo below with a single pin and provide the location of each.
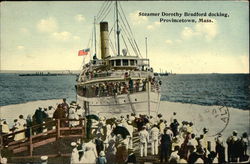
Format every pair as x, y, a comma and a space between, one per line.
135, 99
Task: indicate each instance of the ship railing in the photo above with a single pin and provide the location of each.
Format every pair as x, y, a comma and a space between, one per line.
41, 134
100, 92
104, 75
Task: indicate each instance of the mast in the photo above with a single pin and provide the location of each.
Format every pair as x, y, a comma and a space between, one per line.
146, 42
117, 32
148, 86
95, 33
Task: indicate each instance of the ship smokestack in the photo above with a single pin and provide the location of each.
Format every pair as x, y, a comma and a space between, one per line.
104, 39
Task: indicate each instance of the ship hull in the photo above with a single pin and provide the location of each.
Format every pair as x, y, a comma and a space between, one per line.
137, 103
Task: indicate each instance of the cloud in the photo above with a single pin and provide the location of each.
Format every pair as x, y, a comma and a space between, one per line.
204, 30
79, 18
20, 47
169, 41
136, 19
208, 30
62, 36
153, 25
47, 25
76, 37
24, 30
187, 33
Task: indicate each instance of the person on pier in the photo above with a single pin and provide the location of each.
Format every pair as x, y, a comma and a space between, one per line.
154, 132
165, 146
220, 149
144, 139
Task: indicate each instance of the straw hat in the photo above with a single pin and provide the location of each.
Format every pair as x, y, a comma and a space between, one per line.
44, 158
3, 160
102, 153
73, 144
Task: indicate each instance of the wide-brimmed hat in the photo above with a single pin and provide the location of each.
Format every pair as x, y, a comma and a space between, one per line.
73, 144
3, 160
102, 153
44, 158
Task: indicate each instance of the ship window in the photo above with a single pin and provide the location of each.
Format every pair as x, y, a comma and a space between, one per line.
112, 62
135, 99
118, 62
132, 62
125, 62
124, 100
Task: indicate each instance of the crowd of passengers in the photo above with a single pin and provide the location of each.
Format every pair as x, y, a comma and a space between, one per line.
117, 88
92, 73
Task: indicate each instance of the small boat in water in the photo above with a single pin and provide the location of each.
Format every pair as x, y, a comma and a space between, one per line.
118, 83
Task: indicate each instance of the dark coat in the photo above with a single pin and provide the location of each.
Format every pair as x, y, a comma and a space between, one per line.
131, 158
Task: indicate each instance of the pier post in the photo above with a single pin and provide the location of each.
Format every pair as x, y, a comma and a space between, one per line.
58, 128
30, 142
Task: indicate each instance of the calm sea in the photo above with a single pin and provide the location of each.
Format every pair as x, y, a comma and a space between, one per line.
232, 90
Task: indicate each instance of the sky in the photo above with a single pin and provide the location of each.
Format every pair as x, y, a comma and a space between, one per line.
48, 35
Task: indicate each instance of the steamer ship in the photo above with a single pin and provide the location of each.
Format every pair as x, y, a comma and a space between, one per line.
118, 83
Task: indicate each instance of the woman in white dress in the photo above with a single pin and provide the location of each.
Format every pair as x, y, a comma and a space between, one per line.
18, 127
90, 153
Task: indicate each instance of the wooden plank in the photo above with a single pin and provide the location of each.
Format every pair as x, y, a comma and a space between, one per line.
17, 142
39, 156
20, 149
73, 128
37, 144
44, 133
70, 136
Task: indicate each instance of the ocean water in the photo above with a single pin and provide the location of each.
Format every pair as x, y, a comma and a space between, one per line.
232, 90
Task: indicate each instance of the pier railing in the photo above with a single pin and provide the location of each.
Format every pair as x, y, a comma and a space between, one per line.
42, 134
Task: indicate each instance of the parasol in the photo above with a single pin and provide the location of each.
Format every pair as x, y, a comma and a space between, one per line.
92, 116
121, 130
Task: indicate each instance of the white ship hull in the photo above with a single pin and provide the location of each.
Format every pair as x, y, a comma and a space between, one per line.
123, 104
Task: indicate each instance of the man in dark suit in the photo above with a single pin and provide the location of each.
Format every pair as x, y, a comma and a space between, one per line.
165, 146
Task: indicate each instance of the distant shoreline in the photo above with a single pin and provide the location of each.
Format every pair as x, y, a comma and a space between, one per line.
78, 71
